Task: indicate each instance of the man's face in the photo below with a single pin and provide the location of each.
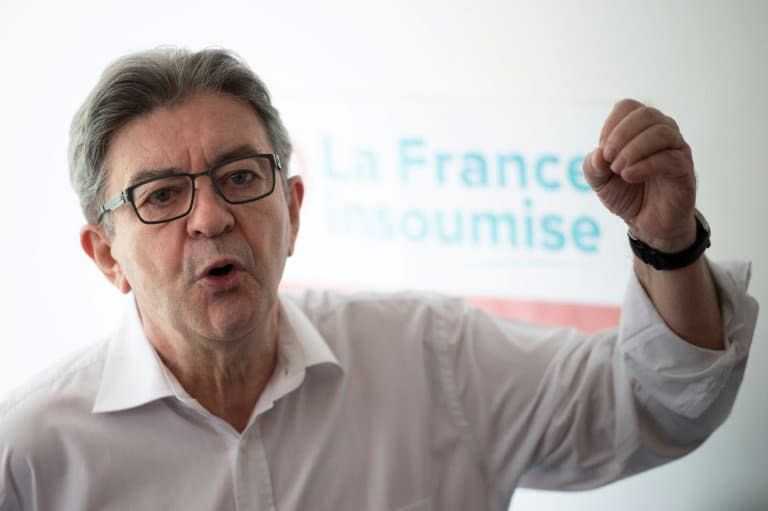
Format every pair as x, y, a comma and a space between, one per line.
168, 265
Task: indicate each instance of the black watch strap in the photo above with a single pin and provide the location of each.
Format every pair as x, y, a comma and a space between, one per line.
665, 261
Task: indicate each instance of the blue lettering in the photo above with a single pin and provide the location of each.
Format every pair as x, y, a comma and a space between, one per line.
440, 160
385, 229
552, 228
493, 221
585, 232
408, 159
366, 166
475, 171
504, 160
546, 159
528, 223
576, 175
414, 225
328, 160
457, 232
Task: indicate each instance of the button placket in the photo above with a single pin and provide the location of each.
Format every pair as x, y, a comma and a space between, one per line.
253, 482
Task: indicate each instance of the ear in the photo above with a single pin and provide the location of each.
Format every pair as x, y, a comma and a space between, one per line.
99, 248
296, 195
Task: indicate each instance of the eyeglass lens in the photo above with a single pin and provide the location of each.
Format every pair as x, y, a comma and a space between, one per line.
169, 197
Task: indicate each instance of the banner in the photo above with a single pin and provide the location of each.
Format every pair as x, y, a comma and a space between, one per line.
486, 201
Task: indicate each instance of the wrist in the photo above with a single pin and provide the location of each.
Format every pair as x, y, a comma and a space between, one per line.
677, 252
684, 238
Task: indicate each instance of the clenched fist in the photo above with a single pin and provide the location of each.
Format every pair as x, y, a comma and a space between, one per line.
642, 171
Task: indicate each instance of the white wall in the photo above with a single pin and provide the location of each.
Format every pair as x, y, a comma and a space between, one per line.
705, 63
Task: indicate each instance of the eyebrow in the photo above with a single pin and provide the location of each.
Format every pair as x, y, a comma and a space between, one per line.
241, 151
146, 175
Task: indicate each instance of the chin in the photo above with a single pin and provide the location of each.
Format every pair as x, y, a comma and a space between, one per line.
229, 327
228, 321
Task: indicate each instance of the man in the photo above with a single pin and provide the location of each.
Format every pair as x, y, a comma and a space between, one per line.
218, 393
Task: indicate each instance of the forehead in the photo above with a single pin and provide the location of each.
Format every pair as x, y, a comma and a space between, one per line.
188, 136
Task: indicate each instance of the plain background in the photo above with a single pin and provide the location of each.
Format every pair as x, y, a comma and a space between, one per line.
703, 62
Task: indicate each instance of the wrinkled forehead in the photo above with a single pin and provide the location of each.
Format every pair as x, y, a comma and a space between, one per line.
190, 136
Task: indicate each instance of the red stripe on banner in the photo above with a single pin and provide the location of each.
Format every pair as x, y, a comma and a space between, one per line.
586, 318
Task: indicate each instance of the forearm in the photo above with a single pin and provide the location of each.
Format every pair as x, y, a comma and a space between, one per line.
687, 300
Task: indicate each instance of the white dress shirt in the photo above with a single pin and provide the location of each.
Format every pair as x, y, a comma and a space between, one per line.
399, 402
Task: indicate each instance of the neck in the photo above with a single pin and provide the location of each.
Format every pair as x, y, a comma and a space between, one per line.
225, 377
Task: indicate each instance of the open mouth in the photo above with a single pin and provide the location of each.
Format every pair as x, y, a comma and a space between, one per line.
220, 271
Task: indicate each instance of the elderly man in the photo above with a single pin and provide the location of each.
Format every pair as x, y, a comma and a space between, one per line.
218, 393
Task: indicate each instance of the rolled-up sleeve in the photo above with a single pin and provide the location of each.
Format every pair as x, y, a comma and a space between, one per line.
552, 408
679, 376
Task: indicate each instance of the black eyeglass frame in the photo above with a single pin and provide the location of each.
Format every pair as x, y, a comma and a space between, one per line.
126, 196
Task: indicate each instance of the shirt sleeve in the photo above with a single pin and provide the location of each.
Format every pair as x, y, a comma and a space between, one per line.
8, 500
551, 408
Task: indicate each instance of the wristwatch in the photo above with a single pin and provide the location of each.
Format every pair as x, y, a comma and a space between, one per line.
665, 261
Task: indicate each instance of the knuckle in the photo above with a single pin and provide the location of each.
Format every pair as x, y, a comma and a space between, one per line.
678, 161
649, 115
670, 135
635, 169
654, 112
665, 132
631, 153
628, 103
684, 156
671, 122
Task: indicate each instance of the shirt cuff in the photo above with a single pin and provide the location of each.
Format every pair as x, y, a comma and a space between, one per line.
677, 374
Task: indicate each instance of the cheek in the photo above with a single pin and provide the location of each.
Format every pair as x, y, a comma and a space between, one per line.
286, 238
268, 232
266, 243
149, 260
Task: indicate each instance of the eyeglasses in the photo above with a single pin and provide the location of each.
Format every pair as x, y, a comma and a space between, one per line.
166, 198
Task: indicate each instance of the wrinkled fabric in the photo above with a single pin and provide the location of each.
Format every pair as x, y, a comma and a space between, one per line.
407, 401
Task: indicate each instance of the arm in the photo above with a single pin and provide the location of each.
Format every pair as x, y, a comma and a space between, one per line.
642, 171
551, 408
686, 300
663, 398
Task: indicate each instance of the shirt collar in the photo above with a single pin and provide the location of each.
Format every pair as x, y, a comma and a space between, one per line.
299, 347
134, 375
295, 329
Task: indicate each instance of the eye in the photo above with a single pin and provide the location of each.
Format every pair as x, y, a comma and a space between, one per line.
161, 196
240, 177
161, 192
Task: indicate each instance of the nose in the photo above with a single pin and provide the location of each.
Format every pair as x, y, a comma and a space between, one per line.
211, 215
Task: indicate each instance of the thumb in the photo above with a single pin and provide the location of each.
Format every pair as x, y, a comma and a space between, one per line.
597, 171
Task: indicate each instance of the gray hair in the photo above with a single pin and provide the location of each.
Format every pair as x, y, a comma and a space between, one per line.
138, 83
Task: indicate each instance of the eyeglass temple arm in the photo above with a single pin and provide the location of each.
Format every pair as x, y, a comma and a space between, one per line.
113, 203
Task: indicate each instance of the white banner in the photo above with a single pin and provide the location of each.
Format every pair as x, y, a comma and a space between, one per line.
471, 199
